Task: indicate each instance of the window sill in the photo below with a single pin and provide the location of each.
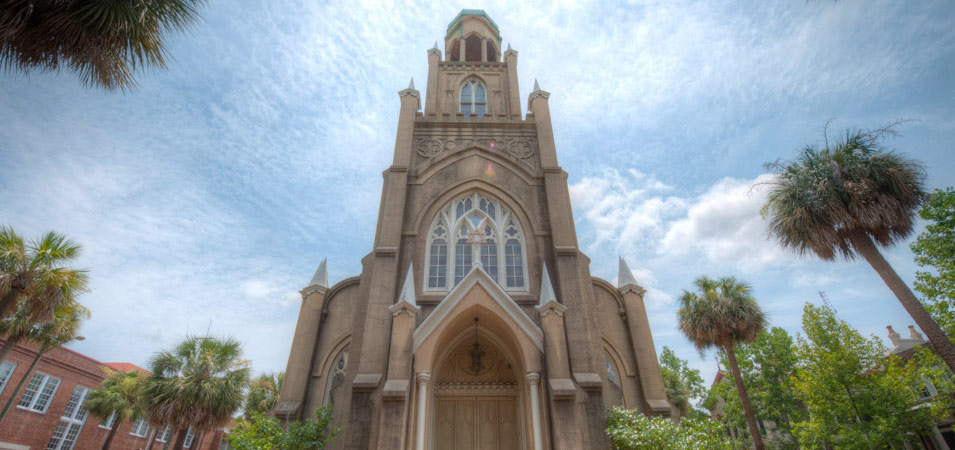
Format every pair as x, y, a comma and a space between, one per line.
21, 408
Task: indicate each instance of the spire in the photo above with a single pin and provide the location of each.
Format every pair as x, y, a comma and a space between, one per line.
626, 281
547, 290
411, 84
435, 45
537, 85
509, 46
320, 278
407, 289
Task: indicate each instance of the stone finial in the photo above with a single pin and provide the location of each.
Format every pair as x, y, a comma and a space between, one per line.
914, 334
537, 86
538, 92
407, 289
435, 45
410, 90
320, 278
894, 336
547, 289
411, 84
509, 47
625, 280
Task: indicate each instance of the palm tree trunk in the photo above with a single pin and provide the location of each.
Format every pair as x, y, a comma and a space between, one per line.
112, 432
152, 438
16, 391
864, 245
180, 439
744, 399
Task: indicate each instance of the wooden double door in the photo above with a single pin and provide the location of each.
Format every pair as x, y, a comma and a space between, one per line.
477, 423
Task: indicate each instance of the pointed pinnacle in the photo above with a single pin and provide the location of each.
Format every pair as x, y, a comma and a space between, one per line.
435, 45
407, 290
547, 290
508, 46
411, 85
537, 85
321, 275
625, 275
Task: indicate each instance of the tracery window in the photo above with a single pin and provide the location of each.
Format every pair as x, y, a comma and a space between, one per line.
478, 225
473, 98
336, 375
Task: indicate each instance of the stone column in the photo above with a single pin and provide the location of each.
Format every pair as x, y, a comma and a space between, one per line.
648, 367
513, 93
431, 93
484, 49
298, 372
423, 379
562, 391
533, 382
464, 47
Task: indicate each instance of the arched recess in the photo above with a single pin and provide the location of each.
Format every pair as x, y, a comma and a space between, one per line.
472, 48
501, 323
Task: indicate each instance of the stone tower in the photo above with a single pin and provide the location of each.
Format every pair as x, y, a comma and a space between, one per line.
475, 322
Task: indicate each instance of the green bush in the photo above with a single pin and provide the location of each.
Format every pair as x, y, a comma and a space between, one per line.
631, 430
266, 433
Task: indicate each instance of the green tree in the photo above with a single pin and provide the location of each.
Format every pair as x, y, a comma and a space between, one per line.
681, 382
857, 399
197, 384
848, 201
267, 433
767, 366
723, 313
263, 394
935, 248
103, 42
118, 395
632, 430
63, 329
35, 279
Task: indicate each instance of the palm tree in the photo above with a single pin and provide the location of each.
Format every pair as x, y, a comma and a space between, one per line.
118, 396
104, 42
848, 201
64, 328
263, 394
198, 384
38, 273
723, 313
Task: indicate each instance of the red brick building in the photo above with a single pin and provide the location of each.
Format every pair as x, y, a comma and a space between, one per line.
47, 411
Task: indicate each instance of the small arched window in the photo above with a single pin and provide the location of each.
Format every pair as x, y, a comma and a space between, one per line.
473, 98
477, 225
336, 375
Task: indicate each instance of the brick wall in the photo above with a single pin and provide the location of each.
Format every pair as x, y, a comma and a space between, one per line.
23, 428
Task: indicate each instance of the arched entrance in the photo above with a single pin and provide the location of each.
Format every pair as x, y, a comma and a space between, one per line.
477, 397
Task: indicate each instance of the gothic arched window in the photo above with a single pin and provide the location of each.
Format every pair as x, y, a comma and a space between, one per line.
473, 98
336, 375
477, 225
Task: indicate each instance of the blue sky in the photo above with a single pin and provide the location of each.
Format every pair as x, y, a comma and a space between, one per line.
207, 197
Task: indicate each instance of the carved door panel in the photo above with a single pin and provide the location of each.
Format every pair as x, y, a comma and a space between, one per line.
476, 423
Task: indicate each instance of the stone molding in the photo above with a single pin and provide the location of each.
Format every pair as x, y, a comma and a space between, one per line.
366, 382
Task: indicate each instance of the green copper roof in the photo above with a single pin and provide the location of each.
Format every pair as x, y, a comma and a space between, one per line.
474, 12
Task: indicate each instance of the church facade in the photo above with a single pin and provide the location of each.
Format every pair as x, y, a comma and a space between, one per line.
475, 323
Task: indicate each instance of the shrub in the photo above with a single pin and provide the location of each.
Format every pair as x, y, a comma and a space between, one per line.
631, 430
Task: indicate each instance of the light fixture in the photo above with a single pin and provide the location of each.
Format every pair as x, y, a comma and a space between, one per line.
477, 353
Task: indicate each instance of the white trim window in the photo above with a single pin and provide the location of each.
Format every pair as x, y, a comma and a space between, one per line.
477, 225
108, 422
165, 434
6, 371
74, 416
140, 428
39, 392
190, 435
473, 98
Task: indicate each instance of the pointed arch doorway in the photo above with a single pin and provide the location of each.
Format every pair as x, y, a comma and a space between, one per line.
477, 396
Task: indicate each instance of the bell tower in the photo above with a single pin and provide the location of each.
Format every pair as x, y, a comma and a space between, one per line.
475, 322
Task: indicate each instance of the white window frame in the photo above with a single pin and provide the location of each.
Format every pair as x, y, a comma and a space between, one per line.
452, 224
165, 434
108, 422
7, 368
38, 392
141, 424
190, 435
67, 431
